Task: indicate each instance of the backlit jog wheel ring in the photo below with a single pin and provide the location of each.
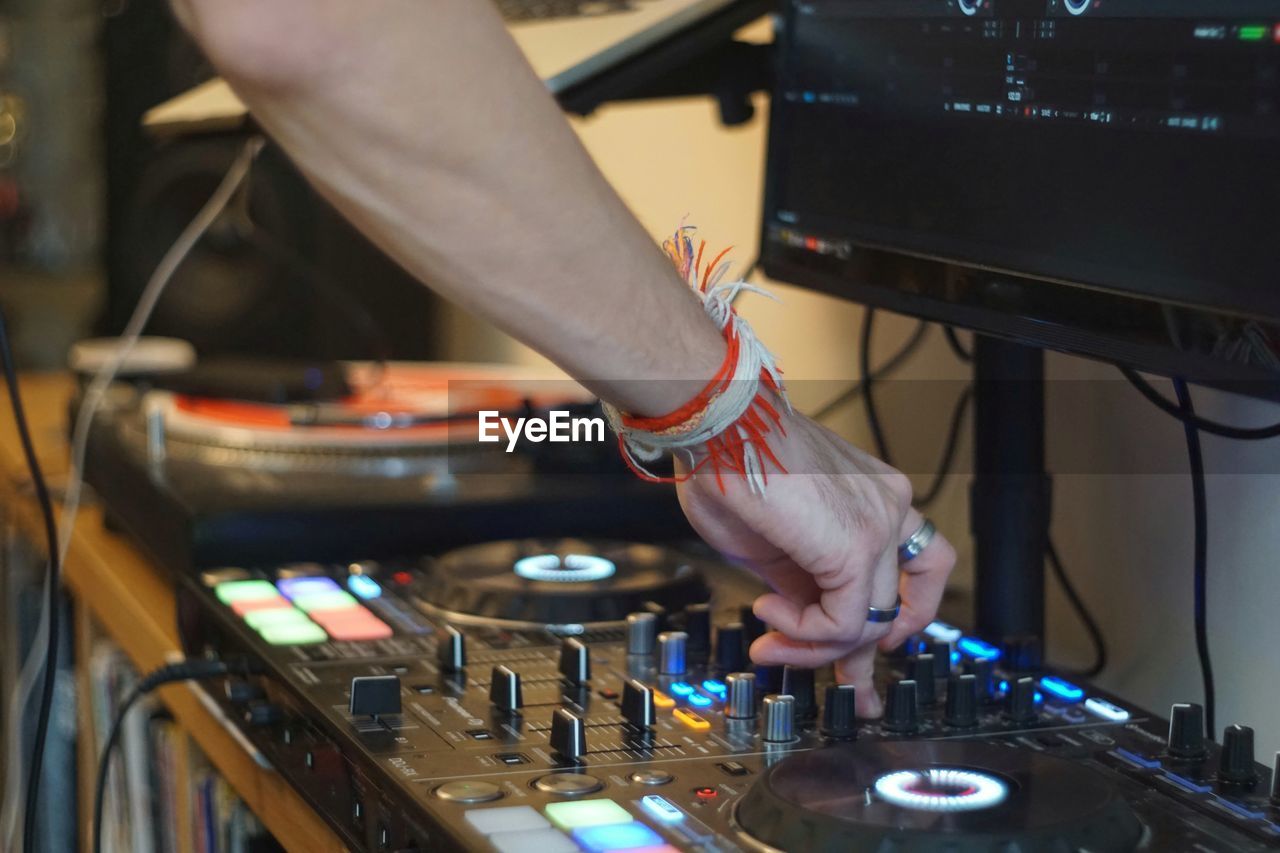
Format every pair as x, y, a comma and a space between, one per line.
941, 789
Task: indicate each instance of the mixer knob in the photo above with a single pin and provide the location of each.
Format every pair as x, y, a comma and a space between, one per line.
962, 702
672, 646
779, 719
451, 649
740, 695
697, 624
637, 703
984, 676
1235, 765
768, 679
575, 661
374, 695
797, 682
1275, 781
839, 712
941, 651
730, 651
504, 689
1023, 653
753, 626
1186, 732
902, 711
921, 670
642, 628
568, 734
1020, 705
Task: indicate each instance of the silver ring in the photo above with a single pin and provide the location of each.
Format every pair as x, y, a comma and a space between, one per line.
916, 542
885, 614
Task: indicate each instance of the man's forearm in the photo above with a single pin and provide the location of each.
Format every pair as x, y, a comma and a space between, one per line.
423, 124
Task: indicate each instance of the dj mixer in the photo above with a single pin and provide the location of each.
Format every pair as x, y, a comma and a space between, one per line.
542, 696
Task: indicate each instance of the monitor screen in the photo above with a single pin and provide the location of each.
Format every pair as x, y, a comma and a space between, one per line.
1089, 166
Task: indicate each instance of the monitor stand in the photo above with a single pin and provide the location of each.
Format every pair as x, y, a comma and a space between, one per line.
1010, 496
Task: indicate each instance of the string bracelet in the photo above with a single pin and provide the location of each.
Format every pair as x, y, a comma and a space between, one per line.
725, 427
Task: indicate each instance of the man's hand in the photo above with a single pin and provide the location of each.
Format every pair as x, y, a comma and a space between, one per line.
825, 538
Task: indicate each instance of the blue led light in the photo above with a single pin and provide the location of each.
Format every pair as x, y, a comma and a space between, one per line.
292, 588
955, 658
711, 685
1061, 689
1039, 698
975, 648
661, 808
682, 688
616, 836
1004, 687
363, 586
943, 632
699, 701
1104, 709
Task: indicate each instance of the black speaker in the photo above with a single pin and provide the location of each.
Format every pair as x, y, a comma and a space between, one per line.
280, 273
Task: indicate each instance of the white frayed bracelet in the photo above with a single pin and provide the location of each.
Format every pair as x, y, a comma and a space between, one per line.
726, 426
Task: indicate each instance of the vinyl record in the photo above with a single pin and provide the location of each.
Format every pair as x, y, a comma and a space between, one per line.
915, 796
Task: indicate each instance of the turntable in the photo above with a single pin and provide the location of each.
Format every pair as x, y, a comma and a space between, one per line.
392, 470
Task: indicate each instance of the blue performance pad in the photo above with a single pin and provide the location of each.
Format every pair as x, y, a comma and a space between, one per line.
292, 588
616, 836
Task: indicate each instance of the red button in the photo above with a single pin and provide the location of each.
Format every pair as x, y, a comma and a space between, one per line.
706, 793
402, 578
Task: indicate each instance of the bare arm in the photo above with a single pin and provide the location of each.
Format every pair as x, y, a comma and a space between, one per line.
422, 122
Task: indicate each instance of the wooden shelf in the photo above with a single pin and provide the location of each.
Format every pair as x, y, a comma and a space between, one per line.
132, 600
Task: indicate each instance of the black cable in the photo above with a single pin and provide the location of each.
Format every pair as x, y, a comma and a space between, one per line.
1195, 458
1082, 611
895, 361
1190, 418
873, 416
949, 450
185, 671
54, 583
953, 341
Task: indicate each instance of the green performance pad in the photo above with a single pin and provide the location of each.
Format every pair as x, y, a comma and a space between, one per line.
336, 600
293, 633
245, 591
587, 813
259, 619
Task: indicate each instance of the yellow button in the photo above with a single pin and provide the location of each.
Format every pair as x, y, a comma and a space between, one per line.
691, 719
662, 700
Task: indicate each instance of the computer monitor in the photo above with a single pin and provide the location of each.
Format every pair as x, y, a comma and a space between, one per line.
1094, 176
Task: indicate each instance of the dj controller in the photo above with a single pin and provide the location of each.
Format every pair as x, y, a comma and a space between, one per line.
539, 696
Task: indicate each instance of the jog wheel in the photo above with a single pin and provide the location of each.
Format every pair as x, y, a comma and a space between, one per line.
559, 582
924, 797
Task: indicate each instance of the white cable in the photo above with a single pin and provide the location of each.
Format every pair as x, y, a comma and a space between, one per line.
91, 402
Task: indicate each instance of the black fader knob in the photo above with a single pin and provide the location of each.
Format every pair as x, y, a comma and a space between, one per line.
1186, 732
839, 712
637, 704
568, 734
984, 675
451, 649
902, 710
1235, 764
575, 661
731, 651
922, 670
504, 689
374, 695
797, 682
962, 702
1020, 704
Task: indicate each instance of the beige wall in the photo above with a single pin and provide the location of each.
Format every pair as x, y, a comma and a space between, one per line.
1126, 539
